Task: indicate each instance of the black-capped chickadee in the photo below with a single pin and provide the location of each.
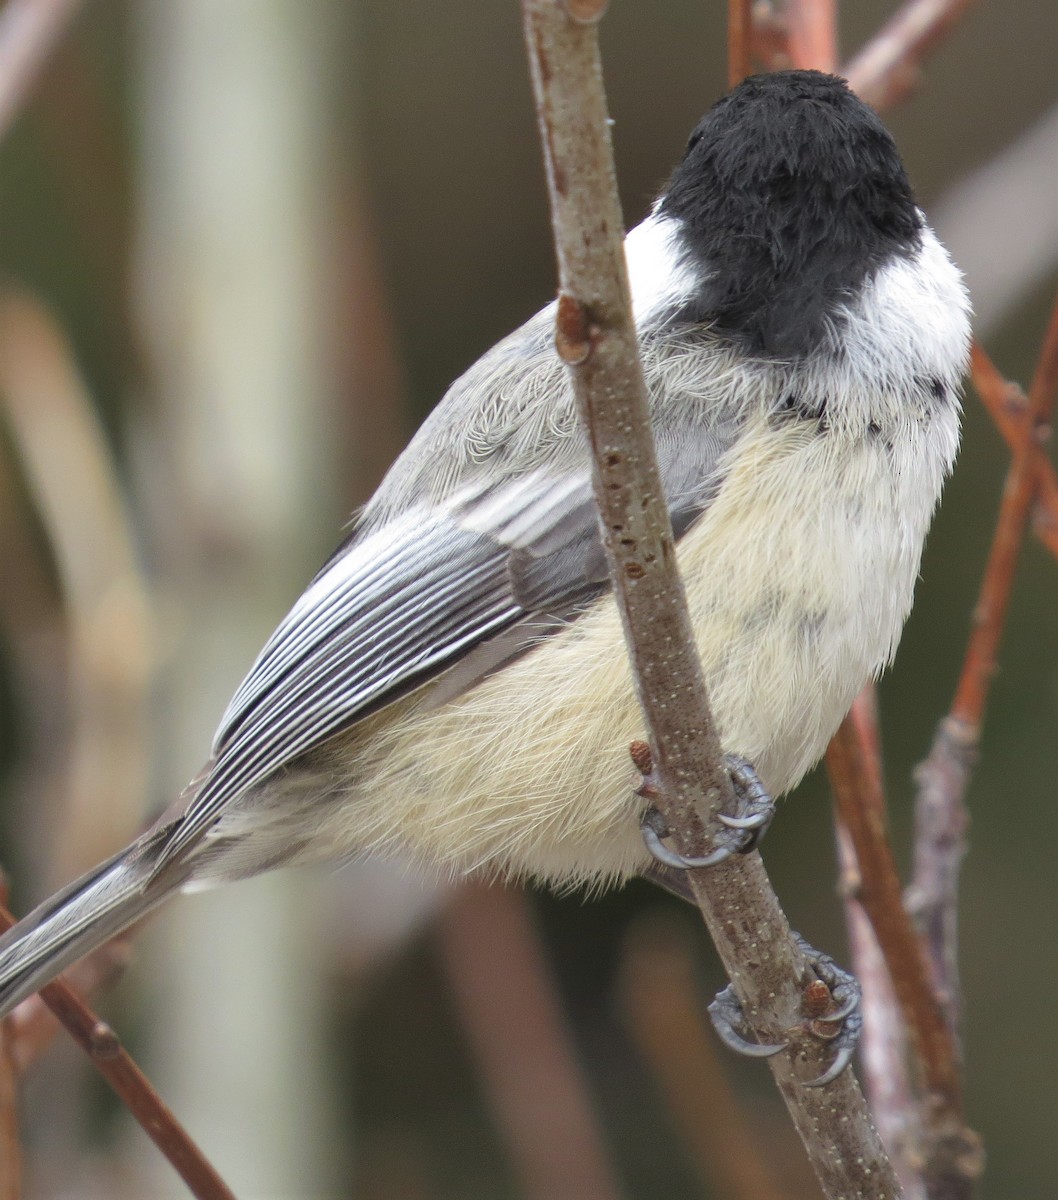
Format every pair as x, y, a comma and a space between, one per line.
453, 684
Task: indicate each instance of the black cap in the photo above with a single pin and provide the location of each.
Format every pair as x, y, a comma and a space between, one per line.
791, 195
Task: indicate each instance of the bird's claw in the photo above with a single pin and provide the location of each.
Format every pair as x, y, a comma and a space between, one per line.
840, 988
841, 1025
729, 1021
654, 829
755, 812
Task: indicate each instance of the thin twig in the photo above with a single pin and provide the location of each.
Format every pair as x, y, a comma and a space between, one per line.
771, 40
739, 40
858, 793
948, 1151
596, 337
811, 33
940, 811
114, 1063
1008, 407
883, 73
1018, 494
29, 30
537, 1090
883, 1047
889, 66
33, 1025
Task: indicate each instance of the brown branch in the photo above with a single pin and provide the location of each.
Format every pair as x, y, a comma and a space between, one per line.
1019, 491
117, 1067
883, 73
33, 1025
940, 812
29, 30
1008, 407
948, 1151
889, 66
941, 822
739, 40
596, 338
811, 33
770, 36
883, 1047
537, 1090
855, 779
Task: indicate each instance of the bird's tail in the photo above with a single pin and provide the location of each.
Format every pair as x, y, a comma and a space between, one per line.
76, 920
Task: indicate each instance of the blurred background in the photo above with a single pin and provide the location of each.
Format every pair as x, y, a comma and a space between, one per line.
244, 247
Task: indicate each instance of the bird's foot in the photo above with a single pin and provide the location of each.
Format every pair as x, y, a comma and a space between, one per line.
741, 833
831, 1006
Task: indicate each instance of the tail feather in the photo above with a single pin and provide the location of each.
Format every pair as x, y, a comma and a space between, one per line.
75, 921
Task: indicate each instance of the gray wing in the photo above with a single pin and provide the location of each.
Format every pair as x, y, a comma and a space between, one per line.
401, 604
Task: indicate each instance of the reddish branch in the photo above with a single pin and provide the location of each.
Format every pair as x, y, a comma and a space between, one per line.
889, 66
114, 1063
739, 40
29, 30
940, 812
948, 1150
596, 337
812, 33
854, 776
883, 1047
33, 1025
1008, 406
1019, 492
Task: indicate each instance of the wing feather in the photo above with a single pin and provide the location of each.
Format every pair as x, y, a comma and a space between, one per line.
406, 600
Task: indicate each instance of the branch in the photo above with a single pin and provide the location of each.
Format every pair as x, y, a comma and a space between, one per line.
888, 68
33, 1026
739, 40
117, 1067
883, 1047
948, 1151
1008, 407
811, 33
596, 337
854, 776
940, 812
1019, 492
29, 30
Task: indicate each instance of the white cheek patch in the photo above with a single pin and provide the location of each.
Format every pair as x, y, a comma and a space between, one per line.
659, 274
915, 311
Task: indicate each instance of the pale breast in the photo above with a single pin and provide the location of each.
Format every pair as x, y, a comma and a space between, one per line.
799, 578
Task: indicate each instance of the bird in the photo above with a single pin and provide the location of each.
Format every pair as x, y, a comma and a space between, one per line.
452, 685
